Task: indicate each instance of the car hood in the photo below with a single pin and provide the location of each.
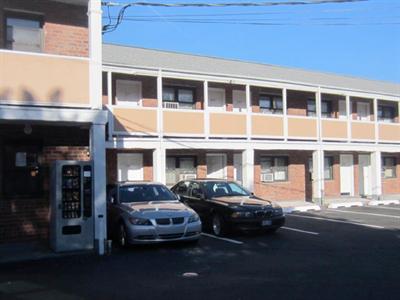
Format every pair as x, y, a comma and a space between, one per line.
240, 201
158, 209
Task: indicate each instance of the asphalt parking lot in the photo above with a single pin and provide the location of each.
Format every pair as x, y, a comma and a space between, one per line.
351, 253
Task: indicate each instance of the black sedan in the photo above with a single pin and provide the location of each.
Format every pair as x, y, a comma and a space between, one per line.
225, 205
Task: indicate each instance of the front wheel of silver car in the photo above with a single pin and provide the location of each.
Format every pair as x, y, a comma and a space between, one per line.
122, 236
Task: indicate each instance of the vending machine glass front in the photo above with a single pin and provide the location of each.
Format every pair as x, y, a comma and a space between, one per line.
71, 192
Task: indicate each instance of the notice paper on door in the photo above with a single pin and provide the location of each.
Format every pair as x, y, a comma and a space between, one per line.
20, 159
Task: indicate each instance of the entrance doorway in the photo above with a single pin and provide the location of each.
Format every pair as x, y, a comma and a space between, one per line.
130, 166
364, 163
346, 175
238, 167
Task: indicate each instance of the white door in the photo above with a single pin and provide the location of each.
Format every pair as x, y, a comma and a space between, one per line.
342, 109
363, 112
216, 166
238, 167
346, 175
130, 166
364, 164
239, 100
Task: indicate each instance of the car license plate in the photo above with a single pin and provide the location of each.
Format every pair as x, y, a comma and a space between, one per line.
266, 222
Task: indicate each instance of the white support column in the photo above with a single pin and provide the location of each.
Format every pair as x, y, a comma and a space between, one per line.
248, 168
319, 113
318, 176
109, 103
376, 166
159, 164
349, 117
376, 120
95, 53
98, 155
249, 112
285, 119
109, 88
206, 111
159, 104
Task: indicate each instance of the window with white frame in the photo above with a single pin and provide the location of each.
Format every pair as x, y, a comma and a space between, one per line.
271, 104
328, 168
128, 92
216, 99
239, 100
178, 97
389, 167
274, 168
24, 32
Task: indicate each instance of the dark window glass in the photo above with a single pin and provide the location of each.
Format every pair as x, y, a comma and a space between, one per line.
328, 168
389, 167
386, 113
326, 109
23, 33
274, 168
271, 104
311, 108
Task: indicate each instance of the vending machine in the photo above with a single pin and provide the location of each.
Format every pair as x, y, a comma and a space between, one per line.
71, 221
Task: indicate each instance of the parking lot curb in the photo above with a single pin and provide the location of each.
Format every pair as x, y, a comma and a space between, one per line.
290, 209
345, 204
383, 202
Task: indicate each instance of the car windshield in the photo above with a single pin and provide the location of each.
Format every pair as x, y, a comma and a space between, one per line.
224, 189
145, 193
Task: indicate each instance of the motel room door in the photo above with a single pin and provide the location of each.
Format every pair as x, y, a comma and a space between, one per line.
364, 163
346, 175
216, 166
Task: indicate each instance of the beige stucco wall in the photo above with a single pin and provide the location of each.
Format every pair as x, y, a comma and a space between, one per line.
227, 124
302, 127
183, 122
43, 80
135, 120
362, 131
334, 129
389, 132
267, 125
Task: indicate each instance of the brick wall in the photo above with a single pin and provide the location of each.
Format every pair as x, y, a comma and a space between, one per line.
392, 185
28, 219
65, 26
293, 189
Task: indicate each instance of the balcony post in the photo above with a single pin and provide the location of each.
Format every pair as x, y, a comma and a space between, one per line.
349, 117
248, 112
376, 167
159, 104
159, 164
318, 104
248, 168
318, 176
285, 118
376, 120
206, 111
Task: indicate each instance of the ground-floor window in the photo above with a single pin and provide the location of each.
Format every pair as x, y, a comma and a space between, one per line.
180, 168
389, 167
328, 168
274, 168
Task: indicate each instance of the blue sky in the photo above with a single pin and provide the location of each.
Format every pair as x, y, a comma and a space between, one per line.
359, 39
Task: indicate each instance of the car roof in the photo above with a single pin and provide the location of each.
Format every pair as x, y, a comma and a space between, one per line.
208, 179
141, 182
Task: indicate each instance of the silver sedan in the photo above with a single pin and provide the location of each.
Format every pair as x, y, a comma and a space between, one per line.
148, 212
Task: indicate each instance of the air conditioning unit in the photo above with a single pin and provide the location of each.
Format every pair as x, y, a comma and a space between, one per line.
171, 105
267, 177
187, 176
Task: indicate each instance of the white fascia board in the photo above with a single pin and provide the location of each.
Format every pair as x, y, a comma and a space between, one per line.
44, 114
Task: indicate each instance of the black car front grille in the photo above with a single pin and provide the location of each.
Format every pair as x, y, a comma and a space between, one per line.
163, 221
177, 220
146, 237
170, 236
191, 233
263, 213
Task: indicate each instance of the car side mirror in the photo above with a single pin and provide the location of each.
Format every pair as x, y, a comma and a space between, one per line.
178, 197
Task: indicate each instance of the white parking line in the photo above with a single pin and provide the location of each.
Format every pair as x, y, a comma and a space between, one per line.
299, 230
338, 221
222, 239
364, 213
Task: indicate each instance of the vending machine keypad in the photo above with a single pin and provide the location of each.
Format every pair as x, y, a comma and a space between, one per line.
71, 192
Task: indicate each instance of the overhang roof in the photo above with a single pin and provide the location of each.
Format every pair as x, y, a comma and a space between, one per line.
128, 56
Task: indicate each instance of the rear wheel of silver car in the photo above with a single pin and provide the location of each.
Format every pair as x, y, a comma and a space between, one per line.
218, 225
122, 235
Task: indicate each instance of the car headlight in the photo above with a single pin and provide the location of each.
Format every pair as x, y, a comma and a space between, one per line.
277, 209
139, 221
242, 214
194, 218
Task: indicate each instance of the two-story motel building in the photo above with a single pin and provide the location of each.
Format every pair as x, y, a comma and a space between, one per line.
286, 134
